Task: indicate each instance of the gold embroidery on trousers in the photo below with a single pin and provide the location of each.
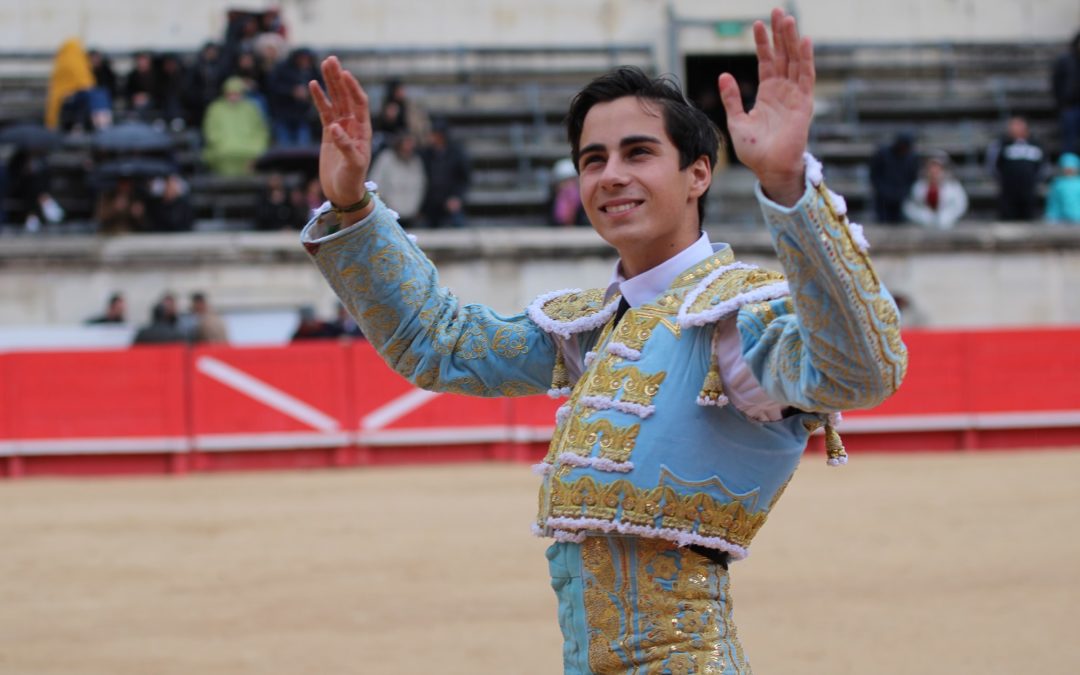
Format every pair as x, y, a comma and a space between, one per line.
652, 607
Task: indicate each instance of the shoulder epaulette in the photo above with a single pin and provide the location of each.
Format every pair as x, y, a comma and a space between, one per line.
571, 311
726, 290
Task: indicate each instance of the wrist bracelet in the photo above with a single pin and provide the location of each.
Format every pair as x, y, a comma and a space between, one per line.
352, 208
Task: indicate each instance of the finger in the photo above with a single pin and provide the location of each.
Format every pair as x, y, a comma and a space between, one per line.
780, 55
764, 52
357, 97
731, 98
322, 103
791, 46
807, 73
332, 78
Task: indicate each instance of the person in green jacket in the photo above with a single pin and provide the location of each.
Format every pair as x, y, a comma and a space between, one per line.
1063, 200
235, 132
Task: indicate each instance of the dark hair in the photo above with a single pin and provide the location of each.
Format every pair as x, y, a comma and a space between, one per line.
692, 132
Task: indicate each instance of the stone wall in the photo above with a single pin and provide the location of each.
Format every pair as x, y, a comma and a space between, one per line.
990, 275
122, 24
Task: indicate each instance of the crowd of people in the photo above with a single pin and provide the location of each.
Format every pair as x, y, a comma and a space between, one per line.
245, 96
928, 193
249, 94
199, 325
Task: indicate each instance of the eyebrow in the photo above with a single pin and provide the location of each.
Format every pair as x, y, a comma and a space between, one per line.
629, 140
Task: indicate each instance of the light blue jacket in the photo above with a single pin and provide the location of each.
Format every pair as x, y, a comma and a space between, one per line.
647, 443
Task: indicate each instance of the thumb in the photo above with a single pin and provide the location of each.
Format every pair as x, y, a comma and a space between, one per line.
730, 96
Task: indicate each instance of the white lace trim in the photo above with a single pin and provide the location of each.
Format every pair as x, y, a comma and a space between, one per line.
678, 536
620, 349
565, 329
598, 463
608, 403
562, 392
719, 402
562, 413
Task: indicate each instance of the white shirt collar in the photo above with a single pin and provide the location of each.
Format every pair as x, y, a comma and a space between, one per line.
644, 287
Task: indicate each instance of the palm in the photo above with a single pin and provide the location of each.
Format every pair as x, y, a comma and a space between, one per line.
771, 139
345, 154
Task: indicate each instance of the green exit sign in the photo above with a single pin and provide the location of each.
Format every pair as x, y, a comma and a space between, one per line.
730, 28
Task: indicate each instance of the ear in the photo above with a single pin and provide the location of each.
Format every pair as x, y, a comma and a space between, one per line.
700, 176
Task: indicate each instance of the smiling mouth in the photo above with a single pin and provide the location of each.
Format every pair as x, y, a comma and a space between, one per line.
615, 209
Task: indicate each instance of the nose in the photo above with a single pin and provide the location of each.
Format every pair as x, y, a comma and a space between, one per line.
614, 173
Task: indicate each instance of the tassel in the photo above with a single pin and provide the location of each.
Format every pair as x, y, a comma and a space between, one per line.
560, 379
834, 447
712, 391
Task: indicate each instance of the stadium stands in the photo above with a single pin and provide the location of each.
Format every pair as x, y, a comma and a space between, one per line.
506, 105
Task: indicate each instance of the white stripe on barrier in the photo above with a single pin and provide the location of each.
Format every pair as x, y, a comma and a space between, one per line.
489, 434
266, 394
271, 441
121, 445
396, 409
436, 436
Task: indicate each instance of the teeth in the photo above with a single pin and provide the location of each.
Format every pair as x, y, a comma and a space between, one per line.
621, 207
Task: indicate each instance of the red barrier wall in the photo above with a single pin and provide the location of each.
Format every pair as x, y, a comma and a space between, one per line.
156, 409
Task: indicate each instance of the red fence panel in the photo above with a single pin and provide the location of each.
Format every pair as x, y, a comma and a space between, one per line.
270, 398
128, 405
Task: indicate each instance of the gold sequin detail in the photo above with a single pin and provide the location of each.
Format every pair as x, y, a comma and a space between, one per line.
655, 608
636, 386
575, 305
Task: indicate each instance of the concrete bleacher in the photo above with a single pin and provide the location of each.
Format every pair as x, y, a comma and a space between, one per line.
507, 105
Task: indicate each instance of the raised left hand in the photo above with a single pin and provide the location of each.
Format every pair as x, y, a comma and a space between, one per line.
770, 140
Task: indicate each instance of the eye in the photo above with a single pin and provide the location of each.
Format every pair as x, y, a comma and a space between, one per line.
591, 159
639, 151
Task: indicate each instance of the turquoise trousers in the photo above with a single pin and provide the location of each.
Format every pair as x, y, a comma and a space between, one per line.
634, 605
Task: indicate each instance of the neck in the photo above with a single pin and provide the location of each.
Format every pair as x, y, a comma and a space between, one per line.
642, 258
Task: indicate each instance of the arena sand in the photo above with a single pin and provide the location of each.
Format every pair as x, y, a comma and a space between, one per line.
895, 564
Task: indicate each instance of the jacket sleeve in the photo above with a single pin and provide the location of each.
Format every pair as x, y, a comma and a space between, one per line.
421, 330
836, 344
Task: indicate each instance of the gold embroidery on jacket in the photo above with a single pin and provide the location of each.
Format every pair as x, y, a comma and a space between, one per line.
581, 437
637, 387
510, 341
622, 501
575, 305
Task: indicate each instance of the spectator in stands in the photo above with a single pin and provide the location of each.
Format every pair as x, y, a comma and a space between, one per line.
121, 208
140, 86
30, 178
399, 114
565, 207
161, 330
280, 207
937, 199
1019, 164
269, 49
74, 100
313, 328
234, 131
104, 75
290, 100
1065, 83
447, 168
893, 170
203, 82
208, 326
248, 70
1063, 199
400, 175
169, 205
114, 311
169, 91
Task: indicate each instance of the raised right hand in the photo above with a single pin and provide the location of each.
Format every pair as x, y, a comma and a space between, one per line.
345, 154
